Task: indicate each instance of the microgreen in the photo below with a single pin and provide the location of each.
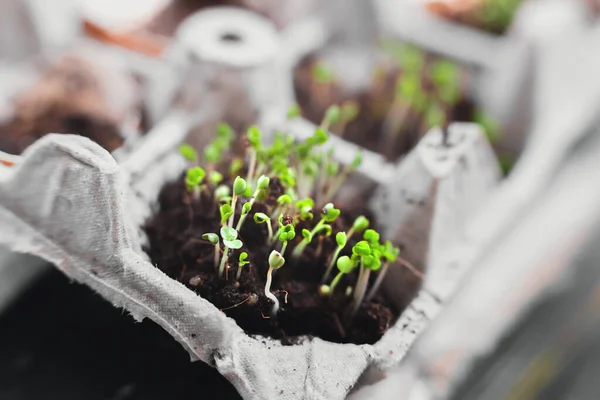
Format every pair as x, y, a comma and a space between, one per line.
193, 179
188, 152
341, 240
215, 177
261, 218
294, 111
345, 265
226, 212
213, 238
286, 233
332, 116
262, 185
328, 214
231, 241
276, 261
242, 260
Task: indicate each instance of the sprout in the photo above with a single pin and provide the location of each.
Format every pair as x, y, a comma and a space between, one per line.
340, 239
193, 179
294, 111
360, 224
230, 240
261, 218
357, 160
332, 116
329, 214
254, 136
236, 166
345, 265
305, 208
349, 111
188, 152
276, 261
215, 177
212, 154
213, 238
390, 254
239, 188
262, 185
242, 260
226, 212
285, 234
283, 202
371, 236
222, 193
225, 132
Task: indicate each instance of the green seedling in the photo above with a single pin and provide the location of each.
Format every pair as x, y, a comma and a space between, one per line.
235, 167
215, 177
188, 152
231, 241
276, 261
329, 214
239, 188
340, 239
348, 113
193, 179
222, 194
261, 186
345, 265
213, 238
242, 260
286, 233
261, 218
332, 116
283, 203
226, 212
359, 225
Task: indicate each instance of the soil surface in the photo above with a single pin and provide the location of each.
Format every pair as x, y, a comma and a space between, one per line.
67, 99
176, 247
366, 130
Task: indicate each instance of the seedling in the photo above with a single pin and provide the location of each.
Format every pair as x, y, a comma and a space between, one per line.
188, 152
340, 239
231, 241
345, 265
193, 179
213, 238
215, 177
255, 144
329, 214
242, 260
222, 193
226, 213
294, 112
348, 113
261, 218
359, 225
261, 186
390, 254
239, 188
276, 261
286, 233
283, 202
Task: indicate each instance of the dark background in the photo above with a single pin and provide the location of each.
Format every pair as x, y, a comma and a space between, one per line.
62, 341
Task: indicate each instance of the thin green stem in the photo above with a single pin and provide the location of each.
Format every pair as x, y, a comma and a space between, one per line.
233, 204
302, 245
223, 261
283, 247
335, 281
331, 263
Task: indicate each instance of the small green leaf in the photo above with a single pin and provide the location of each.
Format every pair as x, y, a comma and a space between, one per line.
306, 235
287, 233
330, 213
361, 248
188, 152
332, 168
360, 224
225, 131
341, 239
276, 260
357, 160
246, 208
212, 154
261, 218
332, 115
215, 177
239, 186
371, 236
222, 191
211, 237
242, 260
236, 166
284, 199
226, 212
320, 136
194, 177
349, 111
345, 264
233, 244
254, 136
228, 233
263, 182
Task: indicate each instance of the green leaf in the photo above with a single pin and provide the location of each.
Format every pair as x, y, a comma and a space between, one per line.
361, 248
306, 235
263, 182
371, 236
322, 73
349, 111
330, 213
284, 199
332, 115
236, 166
228, 233
188, 152
320, 136
225, 132
211, 237
233, 244
226, 212
215, 177
222, 191
357, 160
194, 177
261, 218
254, 136
345, 264
212, 154
239, 186
242, 259
341, 239
246, 208
360, 224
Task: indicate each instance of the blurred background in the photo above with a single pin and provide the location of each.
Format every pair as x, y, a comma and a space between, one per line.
516, 275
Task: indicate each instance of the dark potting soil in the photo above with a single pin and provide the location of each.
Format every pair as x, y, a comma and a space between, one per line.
176, 247
366, 130
67, 99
